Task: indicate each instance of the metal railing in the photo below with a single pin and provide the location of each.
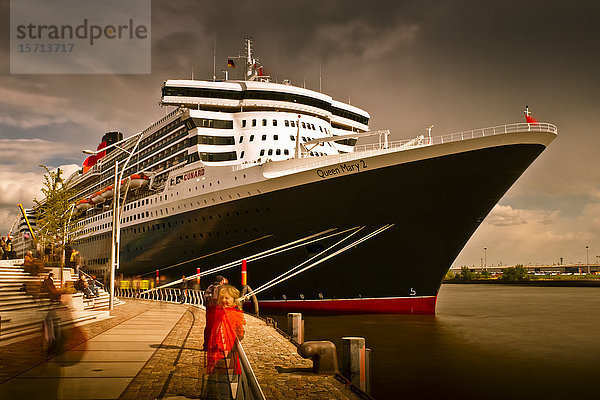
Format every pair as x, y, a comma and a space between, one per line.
170, 295
241, 380
420, 141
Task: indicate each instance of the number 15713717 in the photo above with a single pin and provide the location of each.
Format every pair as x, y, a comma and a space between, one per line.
46, 47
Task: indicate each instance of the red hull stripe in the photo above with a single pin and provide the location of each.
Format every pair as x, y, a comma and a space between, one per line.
401, 305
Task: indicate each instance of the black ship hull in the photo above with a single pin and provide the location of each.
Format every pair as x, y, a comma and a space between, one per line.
435, 205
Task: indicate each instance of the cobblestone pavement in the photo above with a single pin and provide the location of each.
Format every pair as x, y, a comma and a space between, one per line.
176, 370
16, 358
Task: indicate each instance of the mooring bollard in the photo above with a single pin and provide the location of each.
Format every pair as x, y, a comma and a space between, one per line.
295, 327
323, 355
355, 359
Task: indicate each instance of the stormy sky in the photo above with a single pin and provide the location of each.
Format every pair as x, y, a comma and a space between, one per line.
458, 65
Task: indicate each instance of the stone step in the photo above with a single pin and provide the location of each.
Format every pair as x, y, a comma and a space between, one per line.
24, 306
17, 296
35, 327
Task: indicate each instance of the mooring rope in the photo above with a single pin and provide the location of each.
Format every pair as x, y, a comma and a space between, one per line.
276, 250
260, 288
355, 243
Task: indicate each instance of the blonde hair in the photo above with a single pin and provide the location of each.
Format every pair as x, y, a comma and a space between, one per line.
230, 290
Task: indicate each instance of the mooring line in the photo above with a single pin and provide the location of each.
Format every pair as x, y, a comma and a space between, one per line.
355, 243
266, 253
259, 289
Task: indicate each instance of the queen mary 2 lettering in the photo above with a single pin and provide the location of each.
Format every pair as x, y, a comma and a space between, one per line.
272, 173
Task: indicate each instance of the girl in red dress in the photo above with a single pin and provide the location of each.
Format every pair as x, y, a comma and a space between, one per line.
228, 325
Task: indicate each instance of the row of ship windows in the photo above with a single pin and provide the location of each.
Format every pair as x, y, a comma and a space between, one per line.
164, 143
263, 95
147, 214
287, 124
169, 225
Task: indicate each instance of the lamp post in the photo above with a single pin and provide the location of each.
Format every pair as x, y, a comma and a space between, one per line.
587, 258
116, 214
485, 258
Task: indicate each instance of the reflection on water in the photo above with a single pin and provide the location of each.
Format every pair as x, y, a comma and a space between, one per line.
486, 342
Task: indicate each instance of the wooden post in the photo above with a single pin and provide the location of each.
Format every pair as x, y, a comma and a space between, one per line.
354, 361
295, 327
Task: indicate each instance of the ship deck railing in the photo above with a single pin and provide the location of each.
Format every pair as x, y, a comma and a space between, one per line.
373, 149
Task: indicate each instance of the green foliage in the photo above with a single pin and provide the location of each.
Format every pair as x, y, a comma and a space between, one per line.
466, 274
449, 276
54, 211
484, 275
516, 273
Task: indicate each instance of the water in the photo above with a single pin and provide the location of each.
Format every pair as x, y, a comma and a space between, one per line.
486, 342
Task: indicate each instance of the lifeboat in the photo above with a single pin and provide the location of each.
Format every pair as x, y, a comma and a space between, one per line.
108, 193
84, 204
97, 197
136, 181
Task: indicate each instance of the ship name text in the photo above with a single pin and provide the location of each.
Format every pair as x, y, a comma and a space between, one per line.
342, 169
186, 176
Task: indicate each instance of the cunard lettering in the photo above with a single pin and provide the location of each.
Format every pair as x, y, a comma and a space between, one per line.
187, 176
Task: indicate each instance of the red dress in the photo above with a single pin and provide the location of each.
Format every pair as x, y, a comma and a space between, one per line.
228, 325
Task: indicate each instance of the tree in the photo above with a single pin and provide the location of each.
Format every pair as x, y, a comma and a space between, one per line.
466, 274
449, 276
55, 216
516, 273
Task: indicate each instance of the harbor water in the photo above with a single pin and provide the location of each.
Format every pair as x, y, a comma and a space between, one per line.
486, 342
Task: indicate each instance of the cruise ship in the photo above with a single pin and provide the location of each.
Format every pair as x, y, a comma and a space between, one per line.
272, 173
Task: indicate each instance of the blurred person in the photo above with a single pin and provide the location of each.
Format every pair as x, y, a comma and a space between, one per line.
211, 300
94, 286
49, 288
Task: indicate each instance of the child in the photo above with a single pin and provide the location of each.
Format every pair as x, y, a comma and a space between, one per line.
228, 325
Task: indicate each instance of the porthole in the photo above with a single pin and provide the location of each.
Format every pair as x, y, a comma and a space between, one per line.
301, 296
284, 297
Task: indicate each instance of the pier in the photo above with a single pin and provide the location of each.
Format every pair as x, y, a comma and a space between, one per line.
153, 350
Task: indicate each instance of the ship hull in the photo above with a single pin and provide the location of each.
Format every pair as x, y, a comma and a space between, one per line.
435, 205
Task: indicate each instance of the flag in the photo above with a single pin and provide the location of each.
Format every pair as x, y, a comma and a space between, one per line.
528, 117
530, 120
230, 64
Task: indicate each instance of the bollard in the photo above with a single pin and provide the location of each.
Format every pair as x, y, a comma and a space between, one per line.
295, 327
323, 355
368, 371
354, 361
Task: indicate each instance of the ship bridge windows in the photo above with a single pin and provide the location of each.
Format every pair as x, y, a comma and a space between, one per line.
274, 122
286, 123
216, 140
275, 137
213, 123
243, 123
251, 138
228, 156
264, 137
264, 122
253, 122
